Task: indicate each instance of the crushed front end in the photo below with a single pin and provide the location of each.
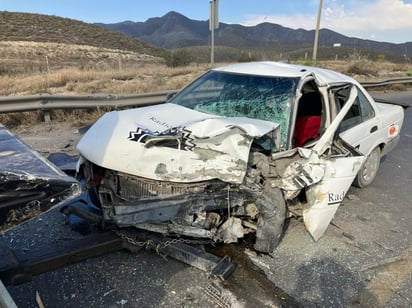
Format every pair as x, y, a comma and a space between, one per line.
212, 209
181, 176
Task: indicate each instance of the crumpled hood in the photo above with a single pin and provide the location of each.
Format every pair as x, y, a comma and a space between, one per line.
173, 143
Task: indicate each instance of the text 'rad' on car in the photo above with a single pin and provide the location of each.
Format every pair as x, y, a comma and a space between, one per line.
237, 151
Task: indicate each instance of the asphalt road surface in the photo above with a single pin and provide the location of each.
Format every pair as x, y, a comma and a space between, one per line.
364, 259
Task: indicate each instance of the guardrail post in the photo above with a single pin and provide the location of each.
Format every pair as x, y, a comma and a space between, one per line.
46, 116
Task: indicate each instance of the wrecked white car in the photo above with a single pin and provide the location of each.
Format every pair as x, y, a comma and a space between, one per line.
236, 150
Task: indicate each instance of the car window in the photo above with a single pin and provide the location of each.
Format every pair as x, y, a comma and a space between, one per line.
239, 95
360, 111
367, 111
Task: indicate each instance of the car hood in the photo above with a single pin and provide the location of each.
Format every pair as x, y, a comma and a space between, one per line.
173, 143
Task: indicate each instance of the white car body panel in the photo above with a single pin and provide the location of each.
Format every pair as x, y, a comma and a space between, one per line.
362, 136
363, 142
268, 68
326, 196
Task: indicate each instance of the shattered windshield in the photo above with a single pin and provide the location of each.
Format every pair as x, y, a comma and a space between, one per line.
237, 95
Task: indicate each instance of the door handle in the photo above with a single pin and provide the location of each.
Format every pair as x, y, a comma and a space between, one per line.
374, 129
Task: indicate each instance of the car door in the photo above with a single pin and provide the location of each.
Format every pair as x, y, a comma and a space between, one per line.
326, 175
360, 123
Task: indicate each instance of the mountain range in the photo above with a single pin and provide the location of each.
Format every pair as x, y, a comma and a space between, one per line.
174, 30
159, 35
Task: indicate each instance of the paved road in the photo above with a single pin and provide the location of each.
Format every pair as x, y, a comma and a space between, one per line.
366, 255
364, 259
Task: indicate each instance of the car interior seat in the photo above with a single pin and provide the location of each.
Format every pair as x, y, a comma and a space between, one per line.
309, 118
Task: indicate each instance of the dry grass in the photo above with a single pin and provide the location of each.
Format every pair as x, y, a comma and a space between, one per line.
32, 68
141, 78
18, 57
149, 78
142, 74
92, 70
365, 70
144, 79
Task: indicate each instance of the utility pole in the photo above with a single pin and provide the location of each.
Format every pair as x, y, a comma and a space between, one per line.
213, 24
315, 44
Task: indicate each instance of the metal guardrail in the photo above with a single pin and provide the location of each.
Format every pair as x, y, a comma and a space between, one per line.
383, 83
46, 102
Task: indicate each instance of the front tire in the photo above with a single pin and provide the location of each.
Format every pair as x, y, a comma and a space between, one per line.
369, 169
272, 217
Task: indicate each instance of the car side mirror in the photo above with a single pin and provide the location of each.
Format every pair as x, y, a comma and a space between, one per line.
169, 95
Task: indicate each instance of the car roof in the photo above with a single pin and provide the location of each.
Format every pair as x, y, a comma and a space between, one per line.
280, 69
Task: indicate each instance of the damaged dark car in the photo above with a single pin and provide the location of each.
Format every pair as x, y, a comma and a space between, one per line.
29, 184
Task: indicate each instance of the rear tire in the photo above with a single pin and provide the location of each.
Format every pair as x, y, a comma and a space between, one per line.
369, 169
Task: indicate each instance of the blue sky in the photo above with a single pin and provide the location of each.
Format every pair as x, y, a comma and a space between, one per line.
381, 20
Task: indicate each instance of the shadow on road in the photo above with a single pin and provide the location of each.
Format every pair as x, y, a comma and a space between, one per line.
324, 282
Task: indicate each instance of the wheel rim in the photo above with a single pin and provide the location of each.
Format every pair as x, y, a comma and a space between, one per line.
370, 168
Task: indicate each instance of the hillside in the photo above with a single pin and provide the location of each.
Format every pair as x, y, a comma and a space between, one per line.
45, 28
174, 30
17, 57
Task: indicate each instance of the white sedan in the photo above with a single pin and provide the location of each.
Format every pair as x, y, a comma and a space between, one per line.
236, 150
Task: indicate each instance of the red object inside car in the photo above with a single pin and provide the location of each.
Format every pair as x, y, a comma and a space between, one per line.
306, 129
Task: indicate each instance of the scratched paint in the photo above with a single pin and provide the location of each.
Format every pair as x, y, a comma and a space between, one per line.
325, 197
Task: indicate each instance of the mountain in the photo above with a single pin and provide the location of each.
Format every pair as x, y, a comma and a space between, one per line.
170, 31
45, 28
174, 30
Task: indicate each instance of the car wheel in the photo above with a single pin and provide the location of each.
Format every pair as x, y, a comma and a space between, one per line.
369, 169
270, 224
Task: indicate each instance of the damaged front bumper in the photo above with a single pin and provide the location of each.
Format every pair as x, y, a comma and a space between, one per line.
212, 209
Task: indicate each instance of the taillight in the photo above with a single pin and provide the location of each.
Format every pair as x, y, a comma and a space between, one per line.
393, 130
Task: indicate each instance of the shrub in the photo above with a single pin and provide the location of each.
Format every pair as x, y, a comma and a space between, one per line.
4, 70
397, 87
361, 67
180, 57
247, 58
